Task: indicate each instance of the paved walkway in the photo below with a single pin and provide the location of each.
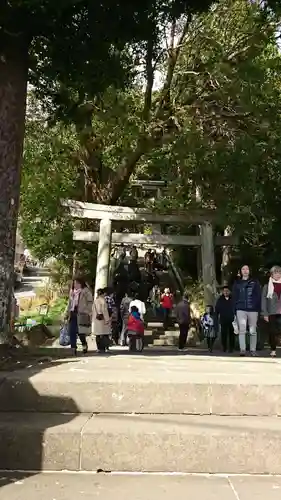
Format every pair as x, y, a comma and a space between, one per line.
235, 429
67, 486
164, 365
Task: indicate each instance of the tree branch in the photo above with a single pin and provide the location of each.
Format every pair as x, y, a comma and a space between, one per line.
149, 80
173, 55
119, 179
116, 185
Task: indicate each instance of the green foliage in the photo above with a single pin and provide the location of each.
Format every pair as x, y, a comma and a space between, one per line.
226, 91
117, 122
80, 47
214, 126
227, 101
48, 176
57, 309
70, 51
61, 276
54, 315
195, 292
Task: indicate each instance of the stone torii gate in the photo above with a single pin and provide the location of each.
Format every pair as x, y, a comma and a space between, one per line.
106, 214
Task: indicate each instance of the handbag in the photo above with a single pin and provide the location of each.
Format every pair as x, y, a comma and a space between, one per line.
99, 316
64, 338
84, 320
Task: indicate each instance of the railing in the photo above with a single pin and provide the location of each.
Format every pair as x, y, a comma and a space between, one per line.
176, 273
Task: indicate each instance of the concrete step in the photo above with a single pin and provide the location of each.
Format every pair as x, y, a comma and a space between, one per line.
155, 325
169, 335
86, 486
169, 341
130, 442
156, 381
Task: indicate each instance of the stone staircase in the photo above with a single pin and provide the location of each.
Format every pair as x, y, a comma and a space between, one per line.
163, 338
155, 334
149, 412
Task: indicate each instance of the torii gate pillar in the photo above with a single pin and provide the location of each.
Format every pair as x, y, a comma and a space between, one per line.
208, 263
103, 258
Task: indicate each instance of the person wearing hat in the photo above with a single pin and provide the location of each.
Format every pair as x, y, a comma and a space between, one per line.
271, 306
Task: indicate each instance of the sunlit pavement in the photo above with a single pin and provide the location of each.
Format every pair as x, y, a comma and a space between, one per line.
69, 486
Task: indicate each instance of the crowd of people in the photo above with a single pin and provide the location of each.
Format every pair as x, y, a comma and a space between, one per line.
238, 312
117, 318
101, 315
113, 322
127, 274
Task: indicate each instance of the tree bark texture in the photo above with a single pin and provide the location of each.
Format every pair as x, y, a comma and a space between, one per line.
13, 88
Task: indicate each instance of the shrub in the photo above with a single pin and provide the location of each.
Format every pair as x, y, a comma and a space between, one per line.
61, 275
195, 291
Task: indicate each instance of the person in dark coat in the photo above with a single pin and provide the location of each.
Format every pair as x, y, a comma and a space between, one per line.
225, 317
148, 257
134, 272
162, 261
246, 299
122, 252
120, 282
134, 255
183, 319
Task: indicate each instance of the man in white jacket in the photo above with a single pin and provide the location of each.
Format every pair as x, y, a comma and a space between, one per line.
139, 304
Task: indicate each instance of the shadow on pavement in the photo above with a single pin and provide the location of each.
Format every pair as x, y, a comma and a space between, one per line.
23, 433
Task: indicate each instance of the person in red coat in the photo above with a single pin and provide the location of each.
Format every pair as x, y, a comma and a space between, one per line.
135, 330
167, 306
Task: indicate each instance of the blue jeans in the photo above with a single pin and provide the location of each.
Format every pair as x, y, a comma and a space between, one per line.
74, 332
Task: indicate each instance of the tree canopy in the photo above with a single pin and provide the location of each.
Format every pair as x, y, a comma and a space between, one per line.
212, 123
68, 50
79, 45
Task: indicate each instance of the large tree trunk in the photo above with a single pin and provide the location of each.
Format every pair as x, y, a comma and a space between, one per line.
13, 87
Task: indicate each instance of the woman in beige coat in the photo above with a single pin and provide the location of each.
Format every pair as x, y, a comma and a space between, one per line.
101, 322
79, 314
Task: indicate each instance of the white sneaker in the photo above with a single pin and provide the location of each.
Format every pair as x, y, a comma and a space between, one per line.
273, 354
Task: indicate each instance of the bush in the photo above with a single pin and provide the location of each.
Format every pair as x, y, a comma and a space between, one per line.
54, 315
46, 294
58, 308
61, 275
195, 291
